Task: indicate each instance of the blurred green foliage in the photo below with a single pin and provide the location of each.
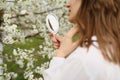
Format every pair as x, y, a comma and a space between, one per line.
31, 42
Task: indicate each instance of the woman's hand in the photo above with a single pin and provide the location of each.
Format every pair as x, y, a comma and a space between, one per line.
55, 41
65, 45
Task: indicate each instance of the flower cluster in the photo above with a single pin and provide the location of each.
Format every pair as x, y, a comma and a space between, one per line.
11, 34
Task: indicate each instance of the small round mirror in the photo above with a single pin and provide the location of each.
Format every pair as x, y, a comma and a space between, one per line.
52, 23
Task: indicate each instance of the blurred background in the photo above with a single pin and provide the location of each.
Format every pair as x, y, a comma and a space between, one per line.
25, 47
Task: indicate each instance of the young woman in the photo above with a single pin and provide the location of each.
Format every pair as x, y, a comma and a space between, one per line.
96, 54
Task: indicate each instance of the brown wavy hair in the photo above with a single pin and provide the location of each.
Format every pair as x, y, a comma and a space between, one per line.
101, 18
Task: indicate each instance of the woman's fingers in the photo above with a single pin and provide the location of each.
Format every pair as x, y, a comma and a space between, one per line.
50, 34
56, 46
53, 37
59, 38
55, 40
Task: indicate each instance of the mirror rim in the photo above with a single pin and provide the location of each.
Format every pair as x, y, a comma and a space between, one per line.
47, 22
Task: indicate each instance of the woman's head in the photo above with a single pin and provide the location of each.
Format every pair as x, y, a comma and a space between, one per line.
73, 8
101, 18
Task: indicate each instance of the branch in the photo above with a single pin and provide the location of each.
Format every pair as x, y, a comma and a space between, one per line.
53, 9
31, 35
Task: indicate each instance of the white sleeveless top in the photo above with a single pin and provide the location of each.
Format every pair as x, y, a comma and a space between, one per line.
82, 64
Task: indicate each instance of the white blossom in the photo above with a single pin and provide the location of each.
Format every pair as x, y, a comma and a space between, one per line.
23, 12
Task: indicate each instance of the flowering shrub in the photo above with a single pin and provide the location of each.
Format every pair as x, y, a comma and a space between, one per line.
27, 47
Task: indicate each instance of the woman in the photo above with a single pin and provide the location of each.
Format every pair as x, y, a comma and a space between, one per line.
96, 54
